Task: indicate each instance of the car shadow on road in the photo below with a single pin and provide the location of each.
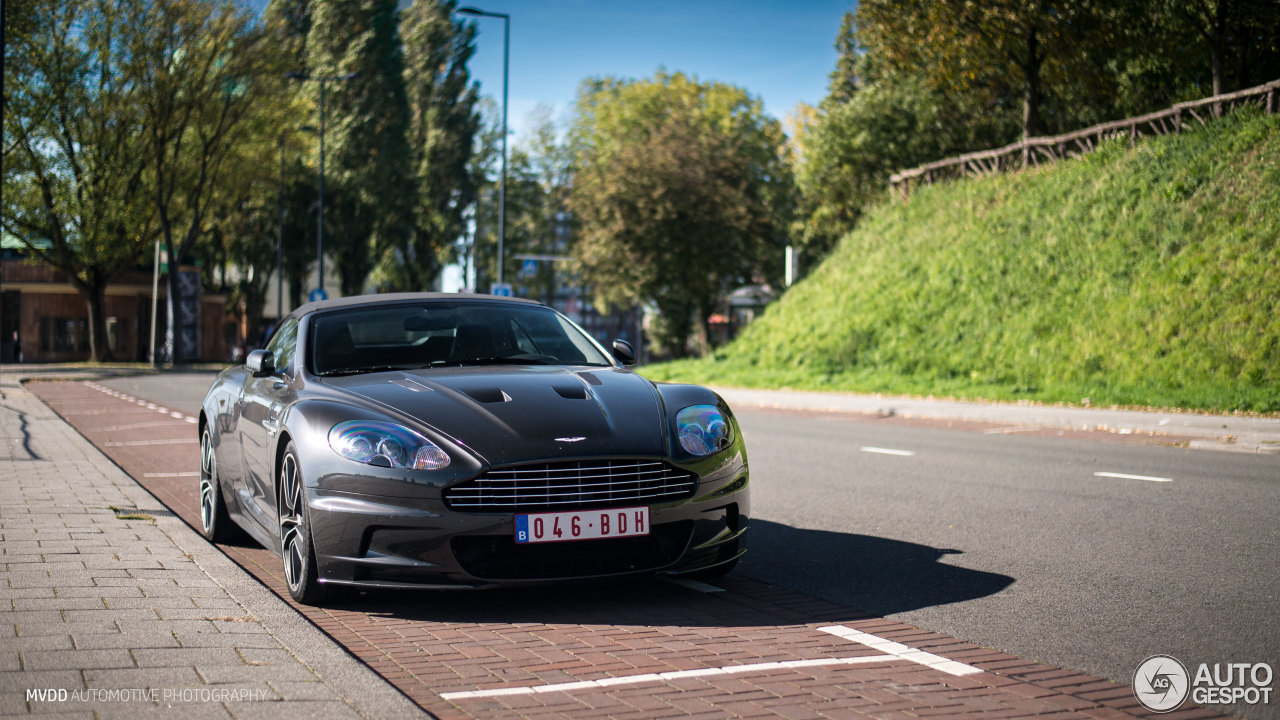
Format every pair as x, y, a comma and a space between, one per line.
875, 574
850, 575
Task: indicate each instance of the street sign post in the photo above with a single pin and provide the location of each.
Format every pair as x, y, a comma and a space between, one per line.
501, 289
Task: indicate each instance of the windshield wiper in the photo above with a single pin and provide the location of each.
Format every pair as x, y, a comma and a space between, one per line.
491, 360
360, 370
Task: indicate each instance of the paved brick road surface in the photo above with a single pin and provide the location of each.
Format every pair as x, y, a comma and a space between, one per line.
113, 608
621, 650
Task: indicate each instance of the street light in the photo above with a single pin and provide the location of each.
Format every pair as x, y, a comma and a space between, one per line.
322, 79
506, 57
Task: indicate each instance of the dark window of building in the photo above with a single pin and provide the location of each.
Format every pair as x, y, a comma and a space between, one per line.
64, 334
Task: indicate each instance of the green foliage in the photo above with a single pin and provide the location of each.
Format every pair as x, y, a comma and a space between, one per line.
1137, 277
76, 143
442, 125
369, 180
681, 191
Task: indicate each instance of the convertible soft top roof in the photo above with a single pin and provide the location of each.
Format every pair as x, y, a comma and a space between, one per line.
378, 299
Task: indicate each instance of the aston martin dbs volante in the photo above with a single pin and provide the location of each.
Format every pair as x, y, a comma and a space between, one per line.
463, 441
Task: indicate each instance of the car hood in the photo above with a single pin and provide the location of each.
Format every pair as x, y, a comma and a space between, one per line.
509, 414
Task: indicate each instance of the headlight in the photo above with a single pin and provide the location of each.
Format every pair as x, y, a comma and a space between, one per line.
702, 430
385, 444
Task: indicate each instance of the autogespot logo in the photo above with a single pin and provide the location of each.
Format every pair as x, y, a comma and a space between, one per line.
1161, 683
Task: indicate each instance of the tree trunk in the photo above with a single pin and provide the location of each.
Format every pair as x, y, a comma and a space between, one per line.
1215, 55
172, 349
296, 281
94, 294
1033, 91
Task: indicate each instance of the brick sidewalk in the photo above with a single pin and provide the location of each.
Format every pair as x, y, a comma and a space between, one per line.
623, 650
109, 605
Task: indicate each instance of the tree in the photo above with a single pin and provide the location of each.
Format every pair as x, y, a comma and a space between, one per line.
442, 125
875, 120
682, 194
1033, 48
1239, 35
369, 184
76, 145
209, 65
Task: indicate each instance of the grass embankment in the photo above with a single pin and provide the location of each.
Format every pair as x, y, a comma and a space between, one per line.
1145, 277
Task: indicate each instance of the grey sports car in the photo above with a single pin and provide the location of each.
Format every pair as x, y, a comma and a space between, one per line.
463, 441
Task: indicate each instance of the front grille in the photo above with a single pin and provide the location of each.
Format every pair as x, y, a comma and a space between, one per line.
500, 557
571, 485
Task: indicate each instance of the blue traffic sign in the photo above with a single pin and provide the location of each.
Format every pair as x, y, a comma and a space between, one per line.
503, 289
317, 295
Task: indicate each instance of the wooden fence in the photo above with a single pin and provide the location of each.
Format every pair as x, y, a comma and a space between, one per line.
1034, 151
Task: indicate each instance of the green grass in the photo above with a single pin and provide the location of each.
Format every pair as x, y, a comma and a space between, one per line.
1138, 277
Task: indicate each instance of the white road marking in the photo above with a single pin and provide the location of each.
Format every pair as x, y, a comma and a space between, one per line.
887, 451
129, 443
694, 585
663, 677
177, 415
191, 420
898, 650
135, 426
168, 475
1124, 476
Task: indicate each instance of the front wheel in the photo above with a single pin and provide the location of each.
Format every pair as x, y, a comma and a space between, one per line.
215, 522
295, 533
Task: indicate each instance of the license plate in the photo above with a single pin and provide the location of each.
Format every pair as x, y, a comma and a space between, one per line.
582, 525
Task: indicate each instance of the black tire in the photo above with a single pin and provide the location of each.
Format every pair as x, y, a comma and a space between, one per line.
216, 523
300, 571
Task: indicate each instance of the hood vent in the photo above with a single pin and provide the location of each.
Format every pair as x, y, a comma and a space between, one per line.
590, 378
571, 392
488, 395
410, 384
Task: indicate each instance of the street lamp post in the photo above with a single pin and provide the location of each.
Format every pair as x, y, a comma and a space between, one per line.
280, 240
506, 58
322, 79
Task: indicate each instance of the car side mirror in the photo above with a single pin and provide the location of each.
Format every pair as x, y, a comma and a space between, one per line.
622, 350
260, 363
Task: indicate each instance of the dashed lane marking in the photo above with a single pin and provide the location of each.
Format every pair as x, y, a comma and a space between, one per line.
131, 443
898, 650
135, 426
887, 451
1124, 476
663, 677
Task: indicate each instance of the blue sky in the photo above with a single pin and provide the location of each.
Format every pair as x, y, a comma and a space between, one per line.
776, 50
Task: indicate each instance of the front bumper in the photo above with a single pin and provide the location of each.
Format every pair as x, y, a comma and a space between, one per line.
393, 542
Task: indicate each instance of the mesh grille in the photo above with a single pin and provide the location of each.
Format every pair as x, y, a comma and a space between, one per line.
571, 485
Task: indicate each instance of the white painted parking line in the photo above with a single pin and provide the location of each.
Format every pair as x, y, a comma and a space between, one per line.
898, 650
664, 677
1124, 476
887, 451
694, 585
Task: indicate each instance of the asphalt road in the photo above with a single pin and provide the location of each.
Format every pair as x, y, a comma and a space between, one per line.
1009, 541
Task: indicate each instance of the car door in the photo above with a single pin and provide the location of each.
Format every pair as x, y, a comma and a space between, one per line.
262, 403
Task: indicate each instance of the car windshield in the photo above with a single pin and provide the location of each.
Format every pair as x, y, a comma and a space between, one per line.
442, 334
